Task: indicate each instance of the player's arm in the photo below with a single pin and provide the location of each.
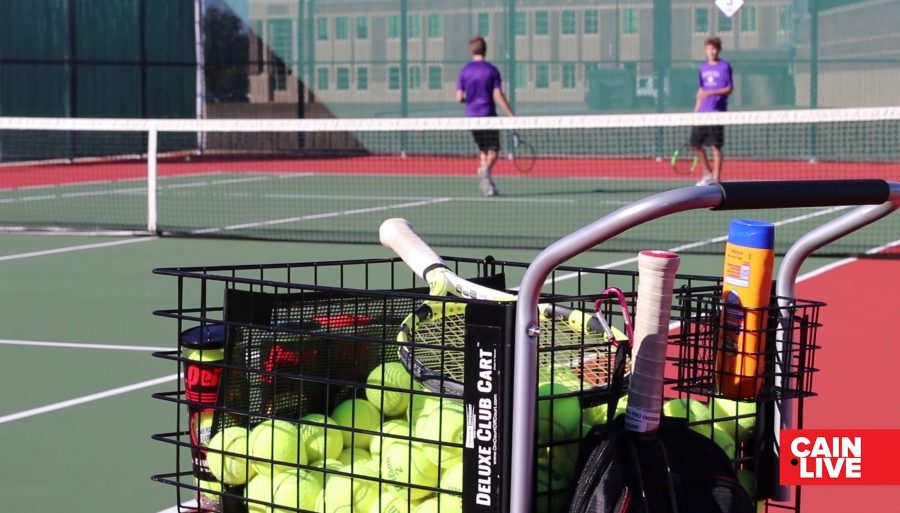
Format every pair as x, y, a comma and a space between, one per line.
500, 98
460, 96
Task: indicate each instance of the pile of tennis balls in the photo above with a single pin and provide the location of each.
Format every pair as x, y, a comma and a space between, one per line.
377, 448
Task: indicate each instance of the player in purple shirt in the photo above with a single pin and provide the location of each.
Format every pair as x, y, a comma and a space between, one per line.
480, 88
712, 96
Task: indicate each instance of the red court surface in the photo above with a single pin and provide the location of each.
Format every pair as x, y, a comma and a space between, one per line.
46, 174
859, 381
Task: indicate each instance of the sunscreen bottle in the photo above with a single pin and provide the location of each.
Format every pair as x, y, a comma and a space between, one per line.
747, 283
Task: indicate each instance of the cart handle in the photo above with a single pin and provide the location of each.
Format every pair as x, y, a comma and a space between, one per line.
718, 196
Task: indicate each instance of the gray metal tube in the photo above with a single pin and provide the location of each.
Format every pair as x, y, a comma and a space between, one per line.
525, 362
785, 287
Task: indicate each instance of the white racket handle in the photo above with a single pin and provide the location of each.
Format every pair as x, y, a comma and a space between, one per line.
656, 279
398, 235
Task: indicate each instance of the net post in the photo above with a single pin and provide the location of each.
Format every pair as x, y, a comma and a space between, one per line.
152, 143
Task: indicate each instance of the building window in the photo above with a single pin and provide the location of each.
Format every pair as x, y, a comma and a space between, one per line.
542, 75
323, 79
630, 16
434, 25
725, 23
520, 23
414, 26
748, 18
784, 18
521, 76
362, 79
591, 22
343, 79
542, 23
341, 28
281, 35
394, 78
394, 27
322, 29
701, 20
568, 22
362, 27
435, 80
484, 24
415, 77
568, 75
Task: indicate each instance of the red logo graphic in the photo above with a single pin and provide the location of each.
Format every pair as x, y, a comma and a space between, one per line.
839, 456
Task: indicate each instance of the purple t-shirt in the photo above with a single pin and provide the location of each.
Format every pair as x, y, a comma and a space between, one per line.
715, 76
477, 80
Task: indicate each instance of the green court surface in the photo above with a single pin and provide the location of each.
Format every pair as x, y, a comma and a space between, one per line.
87, 453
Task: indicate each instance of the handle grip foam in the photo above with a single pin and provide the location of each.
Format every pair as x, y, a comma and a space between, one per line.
398, 235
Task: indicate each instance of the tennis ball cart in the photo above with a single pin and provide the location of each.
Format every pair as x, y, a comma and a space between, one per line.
354, 386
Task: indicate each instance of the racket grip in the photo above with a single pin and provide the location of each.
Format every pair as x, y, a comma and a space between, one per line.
656, 279
398, 235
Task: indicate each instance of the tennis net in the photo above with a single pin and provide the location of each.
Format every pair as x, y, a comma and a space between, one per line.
335, 180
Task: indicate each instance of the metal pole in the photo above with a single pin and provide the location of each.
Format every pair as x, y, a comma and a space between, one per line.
813, 74
511, 52
310, 47
404, 69
200, 72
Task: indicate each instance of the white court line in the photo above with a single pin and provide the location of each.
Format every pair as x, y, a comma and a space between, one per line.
69, 249
324, 215
849, 260
75, 345
87, 398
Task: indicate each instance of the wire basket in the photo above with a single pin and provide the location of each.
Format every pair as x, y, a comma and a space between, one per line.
325, 353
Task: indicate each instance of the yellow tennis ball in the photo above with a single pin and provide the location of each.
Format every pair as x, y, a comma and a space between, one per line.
720, 437
431, 505
447, 425
600, 411
392, 374
563, 458
451, 481
357, 414
690, 409
390, 502
354, 457
259, 490
321, 476
740, 417
551, 486
560, 418
276, 441
345, 494
295, 489
321, 442
560, 374
229, 469
406, 463
420, 404
400, 431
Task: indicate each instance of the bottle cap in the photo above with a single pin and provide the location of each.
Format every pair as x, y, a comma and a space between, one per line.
751, 233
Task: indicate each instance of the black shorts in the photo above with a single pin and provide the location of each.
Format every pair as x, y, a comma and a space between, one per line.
710, 135
487, 140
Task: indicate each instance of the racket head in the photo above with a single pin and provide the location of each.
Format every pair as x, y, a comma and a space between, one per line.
523, 154
683, 160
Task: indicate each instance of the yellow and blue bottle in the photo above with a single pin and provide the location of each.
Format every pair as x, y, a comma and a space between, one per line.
746, 286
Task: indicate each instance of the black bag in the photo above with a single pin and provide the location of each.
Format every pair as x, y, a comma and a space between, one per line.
676, 470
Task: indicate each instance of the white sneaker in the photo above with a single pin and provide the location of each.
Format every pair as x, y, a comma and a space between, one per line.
487, 186
706, 180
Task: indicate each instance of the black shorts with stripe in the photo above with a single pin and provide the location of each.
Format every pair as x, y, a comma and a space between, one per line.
710, 135
487, 140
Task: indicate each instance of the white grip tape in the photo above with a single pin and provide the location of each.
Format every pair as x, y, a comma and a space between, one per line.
398, 235
656, 278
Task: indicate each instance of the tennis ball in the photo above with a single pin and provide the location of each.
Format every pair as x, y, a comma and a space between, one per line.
431, 505
742, 427
561, 374
400, 430
345, 494
229, 469
599, 411
564, 458
446, 425
689, 409
390, 502
451, 481
354, 457
358, 414
558, 419
406, 462
392, 374
721, 438
420, 404
321, 442
551, 486
747, 480
295, 489
259, 489
276, 440
322, 477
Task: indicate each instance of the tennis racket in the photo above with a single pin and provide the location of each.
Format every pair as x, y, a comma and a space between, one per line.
433, 336
656, 277
523, 153
683, 160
